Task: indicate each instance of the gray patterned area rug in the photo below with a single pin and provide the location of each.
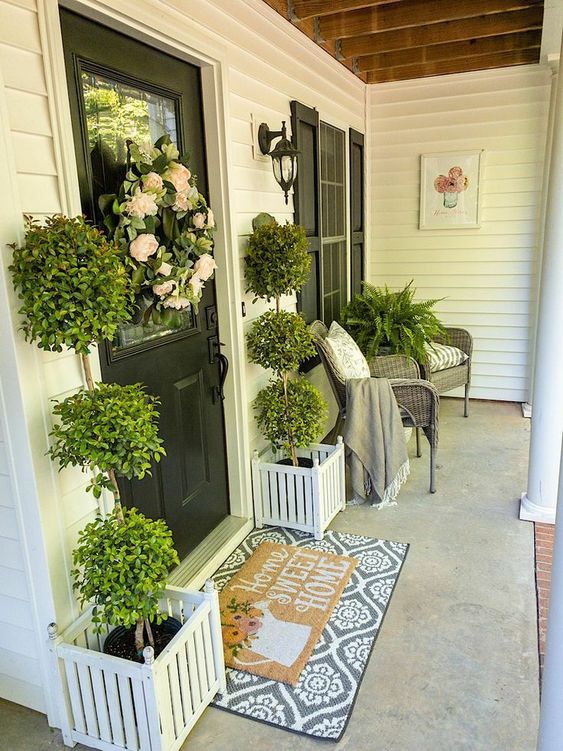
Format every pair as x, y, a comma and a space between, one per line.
321, 703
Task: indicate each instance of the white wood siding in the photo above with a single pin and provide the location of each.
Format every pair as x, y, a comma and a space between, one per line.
266, 63
487, 275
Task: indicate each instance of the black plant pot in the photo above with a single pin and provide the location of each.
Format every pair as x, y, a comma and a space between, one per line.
303, 462
121, 641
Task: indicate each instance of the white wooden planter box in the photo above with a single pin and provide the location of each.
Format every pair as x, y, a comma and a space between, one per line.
301, 497
111, 703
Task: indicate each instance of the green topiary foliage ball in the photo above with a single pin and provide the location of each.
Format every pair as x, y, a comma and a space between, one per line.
280, 341
277, 262
122, 566
73, 284
113, 427
295, 424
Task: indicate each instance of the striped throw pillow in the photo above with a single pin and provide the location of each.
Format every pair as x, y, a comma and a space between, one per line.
443, 356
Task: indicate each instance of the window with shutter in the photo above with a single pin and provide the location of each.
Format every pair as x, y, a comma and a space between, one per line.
357, 257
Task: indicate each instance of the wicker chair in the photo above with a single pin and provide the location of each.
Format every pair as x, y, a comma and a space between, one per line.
451, 378
418, 400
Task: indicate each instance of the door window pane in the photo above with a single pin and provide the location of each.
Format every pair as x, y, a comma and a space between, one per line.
116, 112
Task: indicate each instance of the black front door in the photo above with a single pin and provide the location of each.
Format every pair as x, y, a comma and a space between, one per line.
122, 89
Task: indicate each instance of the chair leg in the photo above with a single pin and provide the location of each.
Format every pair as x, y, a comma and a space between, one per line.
466, 406
432, 469
418, 448
336, 430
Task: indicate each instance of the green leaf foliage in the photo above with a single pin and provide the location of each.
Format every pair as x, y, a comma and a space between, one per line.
113, 427
280, 341
122, 567
379, 318
73, 284
277, 262
295, 422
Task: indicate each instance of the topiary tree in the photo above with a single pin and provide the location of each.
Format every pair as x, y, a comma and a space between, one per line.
289, 410
122, 564
75, 291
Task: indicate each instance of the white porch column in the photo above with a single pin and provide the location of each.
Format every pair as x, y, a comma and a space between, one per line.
551, 716
539, 502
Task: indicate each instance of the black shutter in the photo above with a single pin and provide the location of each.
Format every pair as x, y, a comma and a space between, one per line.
307, 201
357, 210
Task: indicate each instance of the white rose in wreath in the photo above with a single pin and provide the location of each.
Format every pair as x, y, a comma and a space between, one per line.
143, 246
198, 220
205, 266
163, 289
152, 181
178, 175
141, 204
196, 283
176, 301
182, 203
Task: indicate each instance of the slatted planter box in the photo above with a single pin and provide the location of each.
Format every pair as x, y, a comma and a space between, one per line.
114, 704
301, 497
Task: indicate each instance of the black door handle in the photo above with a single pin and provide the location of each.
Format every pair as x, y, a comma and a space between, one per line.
218, 392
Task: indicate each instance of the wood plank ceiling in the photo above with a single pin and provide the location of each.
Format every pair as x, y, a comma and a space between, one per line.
393, 40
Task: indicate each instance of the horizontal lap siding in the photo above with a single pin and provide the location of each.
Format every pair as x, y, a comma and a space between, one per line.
488, 276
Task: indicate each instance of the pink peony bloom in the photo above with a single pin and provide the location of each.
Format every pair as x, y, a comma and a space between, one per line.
455, 172
163, 289
205, 266
141, 204
143, 246
196, 283
440, 184
178, 175
152, 181
176, 302
198, 220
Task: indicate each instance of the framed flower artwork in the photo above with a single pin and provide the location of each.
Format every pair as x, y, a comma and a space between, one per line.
450, 190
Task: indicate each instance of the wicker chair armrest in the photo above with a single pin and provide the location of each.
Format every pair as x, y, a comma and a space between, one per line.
460, 338
393, 366
420, 398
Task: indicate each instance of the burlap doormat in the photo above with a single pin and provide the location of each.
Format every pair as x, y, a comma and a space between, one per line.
275, 607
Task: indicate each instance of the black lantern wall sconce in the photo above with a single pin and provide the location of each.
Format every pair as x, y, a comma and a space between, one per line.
284, 156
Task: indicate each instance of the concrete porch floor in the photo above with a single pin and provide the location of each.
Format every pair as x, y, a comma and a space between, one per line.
456, 663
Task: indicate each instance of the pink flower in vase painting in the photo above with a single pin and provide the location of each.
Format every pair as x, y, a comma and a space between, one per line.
451, 185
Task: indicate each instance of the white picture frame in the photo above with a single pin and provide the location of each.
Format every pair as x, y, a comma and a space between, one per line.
458, 207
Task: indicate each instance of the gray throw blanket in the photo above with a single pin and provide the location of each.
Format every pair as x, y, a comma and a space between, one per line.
375, 440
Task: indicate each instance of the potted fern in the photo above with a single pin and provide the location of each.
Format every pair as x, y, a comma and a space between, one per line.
75, 289
386, 322
291, 492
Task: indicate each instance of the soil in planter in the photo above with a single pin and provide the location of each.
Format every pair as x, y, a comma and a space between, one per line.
121, 641
303, 462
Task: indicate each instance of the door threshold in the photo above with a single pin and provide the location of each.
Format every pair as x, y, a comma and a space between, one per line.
206, 558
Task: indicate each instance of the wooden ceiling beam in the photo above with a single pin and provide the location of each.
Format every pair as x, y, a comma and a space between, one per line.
301, 9
443, 67
410, 13
441, 33
469, 48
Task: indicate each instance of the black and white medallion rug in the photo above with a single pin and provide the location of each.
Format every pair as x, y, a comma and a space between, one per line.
321, 703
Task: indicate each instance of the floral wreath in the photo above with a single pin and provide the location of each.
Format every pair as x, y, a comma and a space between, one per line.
164, 223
